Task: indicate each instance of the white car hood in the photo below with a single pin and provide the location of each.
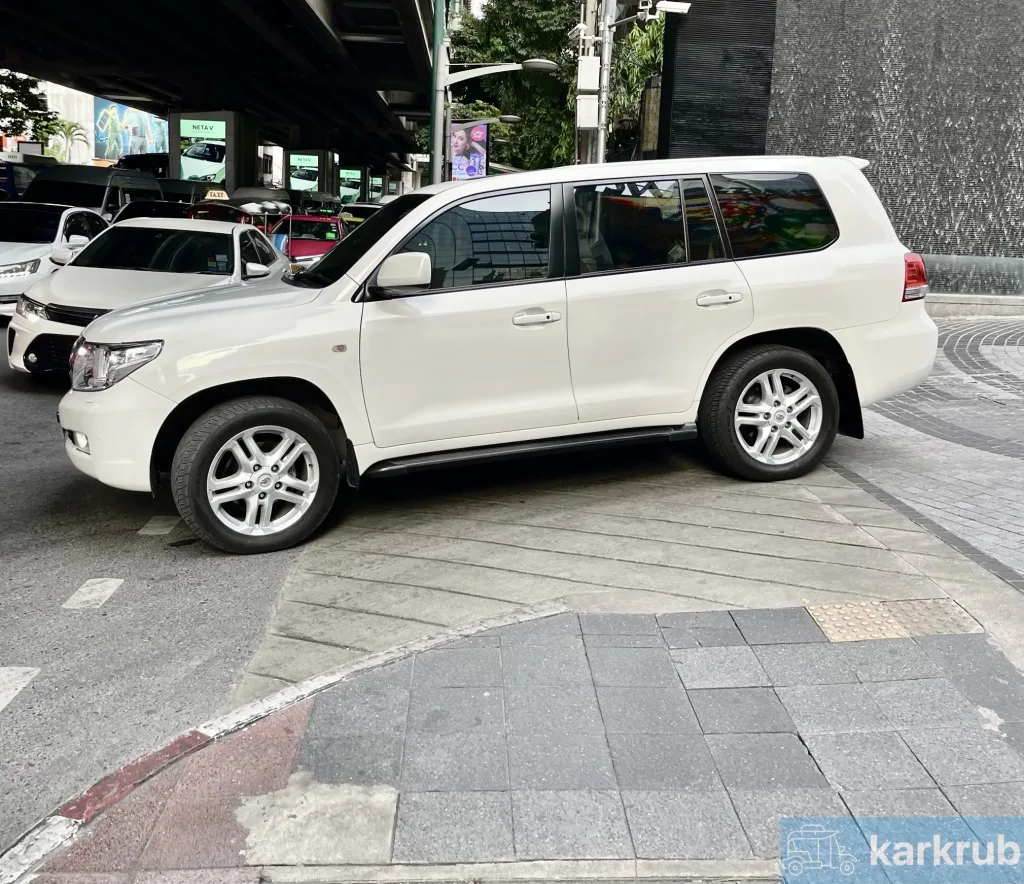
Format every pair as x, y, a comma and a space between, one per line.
161, 317
16, 252
102, 289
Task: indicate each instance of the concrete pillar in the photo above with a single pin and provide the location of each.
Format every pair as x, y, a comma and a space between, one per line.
213, 145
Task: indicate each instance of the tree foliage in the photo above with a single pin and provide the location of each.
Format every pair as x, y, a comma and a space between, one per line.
638, 55
23, 108
513, 31
66, 134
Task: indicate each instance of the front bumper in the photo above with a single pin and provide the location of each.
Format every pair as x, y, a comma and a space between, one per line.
39, 346
121, 426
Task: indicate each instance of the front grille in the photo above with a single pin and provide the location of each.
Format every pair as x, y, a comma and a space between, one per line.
9, 299
52, 352
80, 316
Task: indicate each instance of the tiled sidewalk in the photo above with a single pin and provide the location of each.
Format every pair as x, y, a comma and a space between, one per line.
598, 737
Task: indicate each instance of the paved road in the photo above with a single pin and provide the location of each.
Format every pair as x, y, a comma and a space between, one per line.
162, 652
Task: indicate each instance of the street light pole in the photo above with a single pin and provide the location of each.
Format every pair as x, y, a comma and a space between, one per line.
606, 34
437, 111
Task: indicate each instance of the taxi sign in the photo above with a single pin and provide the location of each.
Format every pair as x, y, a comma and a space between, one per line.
216, 195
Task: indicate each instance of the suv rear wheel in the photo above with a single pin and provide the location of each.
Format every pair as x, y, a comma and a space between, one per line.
255, 475
769, 413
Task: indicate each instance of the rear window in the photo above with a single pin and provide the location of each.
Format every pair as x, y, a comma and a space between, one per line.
774, 213
68, 193
310, 230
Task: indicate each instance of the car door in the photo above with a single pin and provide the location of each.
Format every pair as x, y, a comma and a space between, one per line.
247, 252
483, 350
654, 298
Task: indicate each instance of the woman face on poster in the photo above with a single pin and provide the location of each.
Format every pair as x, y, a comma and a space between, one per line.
461, 145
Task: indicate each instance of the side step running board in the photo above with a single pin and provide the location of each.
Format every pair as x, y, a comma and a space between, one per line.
400, 466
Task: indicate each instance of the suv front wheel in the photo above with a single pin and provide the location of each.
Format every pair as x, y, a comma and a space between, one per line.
769, 413
255, 475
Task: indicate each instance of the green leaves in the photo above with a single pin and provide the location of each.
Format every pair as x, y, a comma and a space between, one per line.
638, 55
23, 109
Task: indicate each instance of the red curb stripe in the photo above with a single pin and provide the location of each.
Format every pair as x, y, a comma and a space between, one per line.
117, 785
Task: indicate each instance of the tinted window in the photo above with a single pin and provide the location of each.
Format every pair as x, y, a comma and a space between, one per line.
141, 189
772, 214
266, 252
76, 226
157, 249
249, 253
68, 193
491, 240
152, 209
703, 236
19, 224
94, 224
629, 224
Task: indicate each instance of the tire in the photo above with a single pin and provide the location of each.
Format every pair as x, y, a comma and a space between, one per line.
204, 442
739, 374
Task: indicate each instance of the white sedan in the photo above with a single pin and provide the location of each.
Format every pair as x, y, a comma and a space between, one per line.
29, 232
131, 262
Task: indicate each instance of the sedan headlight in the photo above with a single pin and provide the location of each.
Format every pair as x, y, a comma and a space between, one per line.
30, 309
13, 271
99, 366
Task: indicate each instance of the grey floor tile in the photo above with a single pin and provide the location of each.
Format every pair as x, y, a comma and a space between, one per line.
564, 709
764, 761
619, 624
740, 711
471, 641
731, 667
624, 641
663, 761
891, 659
926, 702
570, 825
560, 761
685, 825
805, 664
351, 709
453, 827
647, 711
761, 813
898, 803
966, 655
455, 762
697, 619
454, 710
361, 760
718, 636
838, 708
1002, 692
994, 800
559, 630
778, 626
544, 666
862, 762
965, 756
639, 667
679, 638
393, 676
458, 668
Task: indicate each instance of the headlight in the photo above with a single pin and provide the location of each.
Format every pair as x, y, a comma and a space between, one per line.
13, 271
98, 366
30, 309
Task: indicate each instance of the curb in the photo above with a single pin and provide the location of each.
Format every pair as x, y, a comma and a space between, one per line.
58, 828
951, 306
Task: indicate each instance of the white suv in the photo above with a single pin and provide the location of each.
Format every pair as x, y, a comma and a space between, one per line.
755, 302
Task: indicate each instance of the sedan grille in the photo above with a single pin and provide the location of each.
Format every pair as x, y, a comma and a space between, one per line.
80, 316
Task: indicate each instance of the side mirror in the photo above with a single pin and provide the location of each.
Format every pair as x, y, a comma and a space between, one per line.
407, 270
76, 241
255, 271
107, 216
61, 256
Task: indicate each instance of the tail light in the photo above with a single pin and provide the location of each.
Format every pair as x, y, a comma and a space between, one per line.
915, 278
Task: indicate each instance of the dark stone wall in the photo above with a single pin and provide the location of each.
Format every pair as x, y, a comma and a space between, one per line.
932, 93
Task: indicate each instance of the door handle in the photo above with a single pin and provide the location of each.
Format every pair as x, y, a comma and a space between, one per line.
718, 299
536, 317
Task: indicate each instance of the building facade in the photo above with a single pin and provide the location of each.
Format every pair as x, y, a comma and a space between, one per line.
931, 93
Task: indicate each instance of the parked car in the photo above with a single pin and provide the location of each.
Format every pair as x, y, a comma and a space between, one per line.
305, 239
17, 171
29, 232
131, 262
152, 209
357, 213
754, 302
104, 189
204, 161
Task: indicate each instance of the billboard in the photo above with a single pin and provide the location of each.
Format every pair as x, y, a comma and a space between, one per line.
303, 171
203, 150
469, 151
122, 130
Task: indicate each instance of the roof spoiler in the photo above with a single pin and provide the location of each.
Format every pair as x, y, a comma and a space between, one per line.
858, 162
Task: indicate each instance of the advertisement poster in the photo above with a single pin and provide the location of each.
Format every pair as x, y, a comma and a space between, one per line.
303, 171
124, 130
203, 148
469, 151
348, 184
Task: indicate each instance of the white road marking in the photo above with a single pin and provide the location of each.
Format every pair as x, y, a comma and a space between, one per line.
92, 594
159, 525
12, 680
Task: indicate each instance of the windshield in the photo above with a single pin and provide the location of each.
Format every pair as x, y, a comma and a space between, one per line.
160, 250
339, 260
217, 213
18, 224
67, 193
361, 211
153, 209
315, 230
